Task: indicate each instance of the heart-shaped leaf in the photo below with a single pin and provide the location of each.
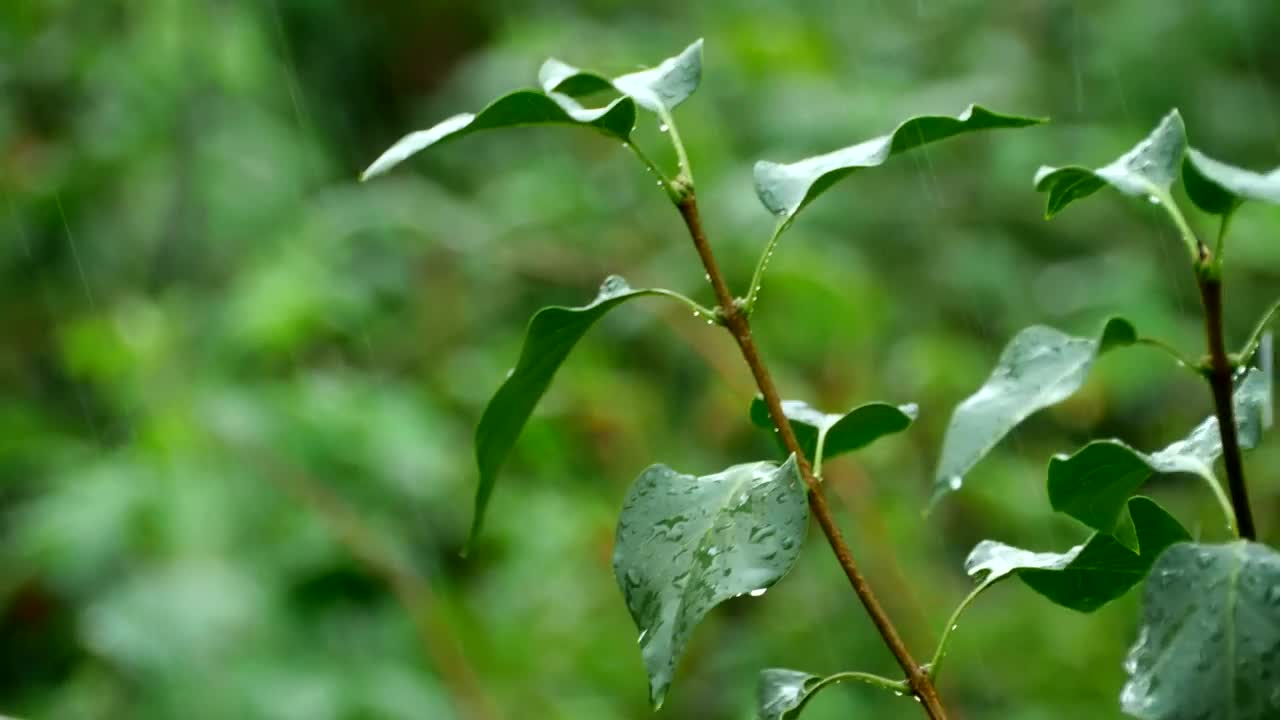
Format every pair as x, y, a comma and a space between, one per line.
1087, 576
787, 188
1218, 188
1039, 367
1209, 644
840, 434
686, 544
1095, 483
551, 335
523, 107
1148, 170
657, 89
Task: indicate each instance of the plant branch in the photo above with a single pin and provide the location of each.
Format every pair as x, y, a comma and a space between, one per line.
898, 686
1172, 352
1219, 374
735, 320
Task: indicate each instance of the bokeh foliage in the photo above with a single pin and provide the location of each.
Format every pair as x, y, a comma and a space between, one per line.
237, 389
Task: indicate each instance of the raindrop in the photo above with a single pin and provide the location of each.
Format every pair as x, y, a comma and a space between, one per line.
787, 543
898, 693
663, 127
758, 593
953, 482
1153, 199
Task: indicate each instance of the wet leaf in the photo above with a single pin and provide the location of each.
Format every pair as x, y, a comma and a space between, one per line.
782, 694
551, 335
1087, 576
665, 86
787, 188
520, 108
1219, 188
686, 544
1094, 485
1148, 170
851, 431
1038, 368
1209, 644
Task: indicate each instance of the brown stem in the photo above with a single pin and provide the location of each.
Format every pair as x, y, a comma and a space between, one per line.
740, 328
1219, 375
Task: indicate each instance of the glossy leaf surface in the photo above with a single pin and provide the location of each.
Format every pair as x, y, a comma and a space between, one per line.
520, 108
1219, 188
1041, 366
551, 335
686, 544
1209, 644
1087, 576
851, 431
781, 694
1094, 485
1148, 170
664, 86
786, 188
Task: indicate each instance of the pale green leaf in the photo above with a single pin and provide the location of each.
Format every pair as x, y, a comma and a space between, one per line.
841, 434
686, 544
1038, 368
1148, 170
786, 188
657, 89
1209, 644
1219, 188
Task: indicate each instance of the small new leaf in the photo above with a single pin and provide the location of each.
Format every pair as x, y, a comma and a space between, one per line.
781, 693
1038, 368
1209, 644
686, 544
520, 108
1094, 485
657, 89
1148, 170
551, 335
1087, 576
1218, 188
787, 188
851, 431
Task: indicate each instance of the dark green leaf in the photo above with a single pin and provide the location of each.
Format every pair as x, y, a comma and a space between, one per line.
1219, 188
1209, 644
1148, 170
1087, 576
686, 544
551, 335
854, 430
655, 89
1094, 484
782, 693
1039, 367
787, 188
524, 107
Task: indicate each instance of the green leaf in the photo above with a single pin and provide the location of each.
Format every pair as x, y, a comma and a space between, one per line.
523, 107
1148, 170
1087, 576
686, 544
851, 431
1094, 484
657, 89
551, 335
1218, 188
782, 693
787, 188
1039, 367
1209, 644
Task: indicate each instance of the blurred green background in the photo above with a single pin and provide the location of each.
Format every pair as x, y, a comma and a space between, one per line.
237, 388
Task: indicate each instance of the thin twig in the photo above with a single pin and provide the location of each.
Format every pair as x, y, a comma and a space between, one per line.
739, 327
